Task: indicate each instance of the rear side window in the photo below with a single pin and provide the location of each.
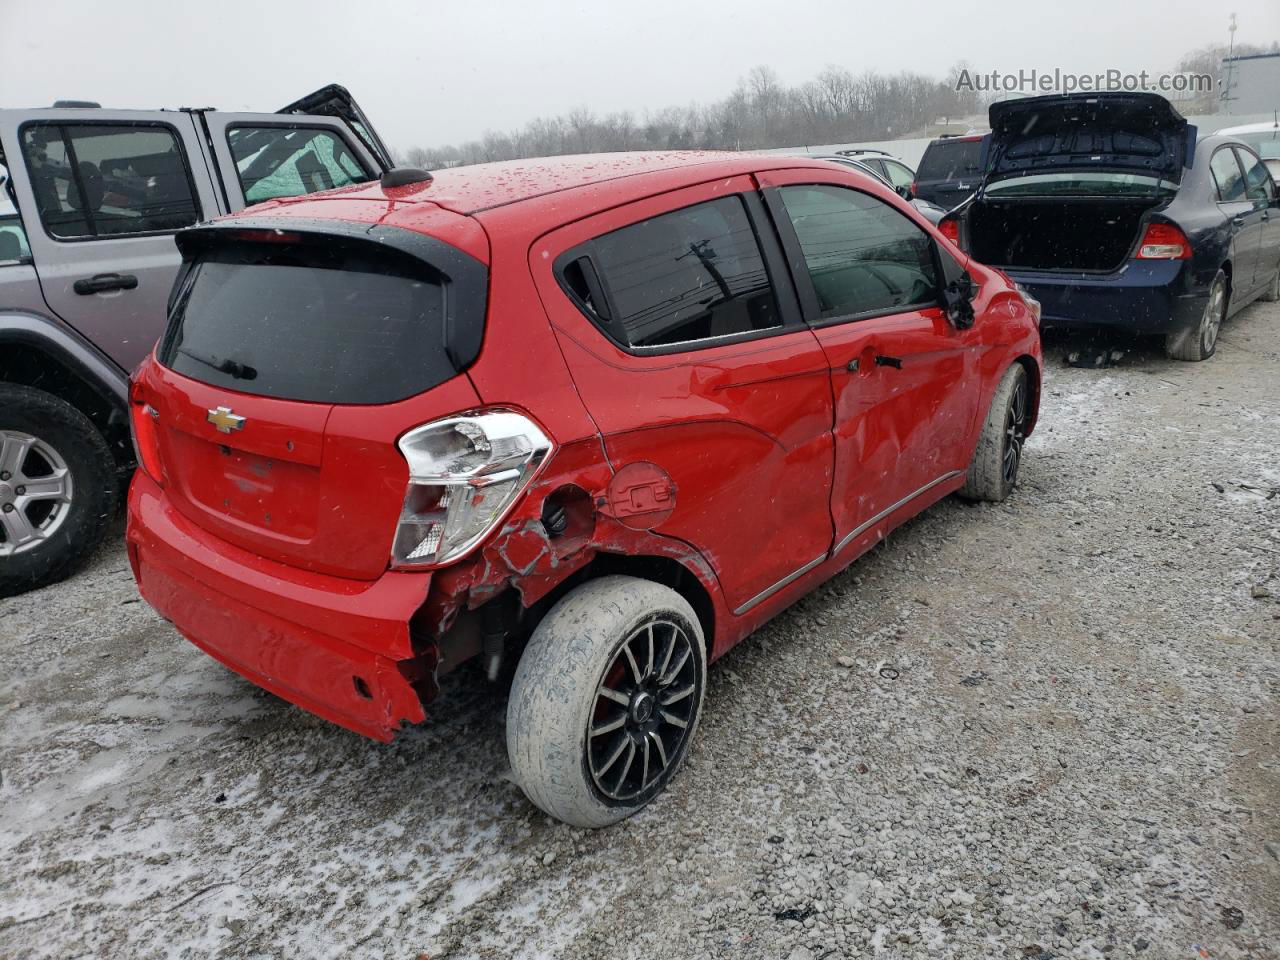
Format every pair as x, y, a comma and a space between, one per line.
1257, 180
291, 161
108, 180
863, 256
951, 160
899, 175
1227, 175
322, 323
690, 275
13, 239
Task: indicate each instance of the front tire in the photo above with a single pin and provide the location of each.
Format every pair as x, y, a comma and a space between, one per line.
606, 700
1199, 341
58, 488
993, 472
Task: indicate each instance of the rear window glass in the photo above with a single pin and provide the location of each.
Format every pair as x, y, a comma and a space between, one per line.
951, 160
327, 324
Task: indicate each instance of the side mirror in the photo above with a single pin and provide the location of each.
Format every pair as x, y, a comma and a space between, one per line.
904, 191
957, 298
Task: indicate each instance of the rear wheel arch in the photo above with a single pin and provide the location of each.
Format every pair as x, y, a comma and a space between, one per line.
35, 353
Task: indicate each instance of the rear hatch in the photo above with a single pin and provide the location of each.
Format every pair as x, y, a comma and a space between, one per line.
1118, 132
297, 353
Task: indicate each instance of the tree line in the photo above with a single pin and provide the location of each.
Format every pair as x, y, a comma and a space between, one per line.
836, 106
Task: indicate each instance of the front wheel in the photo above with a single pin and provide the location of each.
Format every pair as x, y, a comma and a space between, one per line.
606, 699
993, 472
1200, 340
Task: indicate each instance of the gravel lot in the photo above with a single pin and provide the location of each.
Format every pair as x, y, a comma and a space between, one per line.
1041, 729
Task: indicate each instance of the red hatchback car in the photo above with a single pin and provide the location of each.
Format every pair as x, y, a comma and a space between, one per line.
610, 413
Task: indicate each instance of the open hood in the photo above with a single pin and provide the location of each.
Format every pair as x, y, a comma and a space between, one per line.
336, 101
1122, 132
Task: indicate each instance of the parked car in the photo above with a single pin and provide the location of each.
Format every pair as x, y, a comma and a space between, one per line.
1263, 139
88, 210
929, 211
949, 170
628, 407
1107, 210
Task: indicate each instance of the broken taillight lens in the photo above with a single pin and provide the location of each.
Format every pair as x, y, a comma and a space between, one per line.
465, 474
144, 431
1164, 241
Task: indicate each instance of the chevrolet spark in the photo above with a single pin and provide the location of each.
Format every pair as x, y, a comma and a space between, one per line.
604, 414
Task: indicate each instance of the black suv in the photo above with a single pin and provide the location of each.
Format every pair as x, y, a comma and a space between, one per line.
949, 171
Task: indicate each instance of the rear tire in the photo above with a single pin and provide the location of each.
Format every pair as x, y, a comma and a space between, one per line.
606, 700
1199, 341
993, 472
58, 488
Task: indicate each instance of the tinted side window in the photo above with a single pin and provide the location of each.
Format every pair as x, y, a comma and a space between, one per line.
291, 161
1258, 185
864, 256
1226, 174
99, 180
689, 275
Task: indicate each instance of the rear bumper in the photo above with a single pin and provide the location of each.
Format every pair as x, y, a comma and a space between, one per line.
338, 648
1144, 296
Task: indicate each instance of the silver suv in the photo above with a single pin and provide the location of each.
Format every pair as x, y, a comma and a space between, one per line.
89, 201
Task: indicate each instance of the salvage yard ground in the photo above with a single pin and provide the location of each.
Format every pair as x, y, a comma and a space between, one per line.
1046, 728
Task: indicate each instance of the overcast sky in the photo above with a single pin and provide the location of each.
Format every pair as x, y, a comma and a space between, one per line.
441, 72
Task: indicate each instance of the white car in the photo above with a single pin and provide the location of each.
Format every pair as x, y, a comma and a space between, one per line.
1264, 138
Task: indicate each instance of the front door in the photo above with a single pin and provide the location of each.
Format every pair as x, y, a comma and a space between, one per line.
1261, 191
904, 380
681, 331
104, 191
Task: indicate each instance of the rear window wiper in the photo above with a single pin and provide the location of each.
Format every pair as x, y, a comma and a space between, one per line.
233, 368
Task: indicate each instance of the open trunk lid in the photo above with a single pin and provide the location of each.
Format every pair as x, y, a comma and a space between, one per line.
336, 101
1120, 132
297, 353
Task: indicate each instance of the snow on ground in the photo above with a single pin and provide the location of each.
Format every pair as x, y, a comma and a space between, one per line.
1073, 755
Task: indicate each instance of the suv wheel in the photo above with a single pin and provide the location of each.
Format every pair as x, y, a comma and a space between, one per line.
606, 699
1198, 341
993, 472
57, 488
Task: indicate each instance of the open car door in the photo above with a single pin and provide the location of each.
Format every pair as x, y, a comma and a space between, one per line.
320, 142
335, 100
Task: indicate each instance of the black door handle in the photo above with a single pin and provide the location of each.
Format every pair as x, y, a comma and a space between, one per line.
889, 362
102, 282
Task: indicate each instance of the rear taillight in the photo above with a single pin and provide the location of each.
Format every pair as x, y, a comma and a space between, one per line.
1164, 241
465, 474
145, 434
911, 191
949, 227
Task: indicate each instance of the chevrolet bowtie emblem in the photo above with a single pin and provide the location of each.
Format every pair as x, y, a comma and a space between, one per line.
225, 420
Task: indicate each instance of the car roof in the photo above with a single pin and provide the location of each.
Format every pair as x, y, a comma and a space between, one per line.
484, 186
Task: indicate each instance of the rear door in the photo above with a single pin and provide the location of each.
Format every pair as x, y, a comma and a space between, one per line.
104, 191
1261, 192
1245, 216
680, 327
904, 380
